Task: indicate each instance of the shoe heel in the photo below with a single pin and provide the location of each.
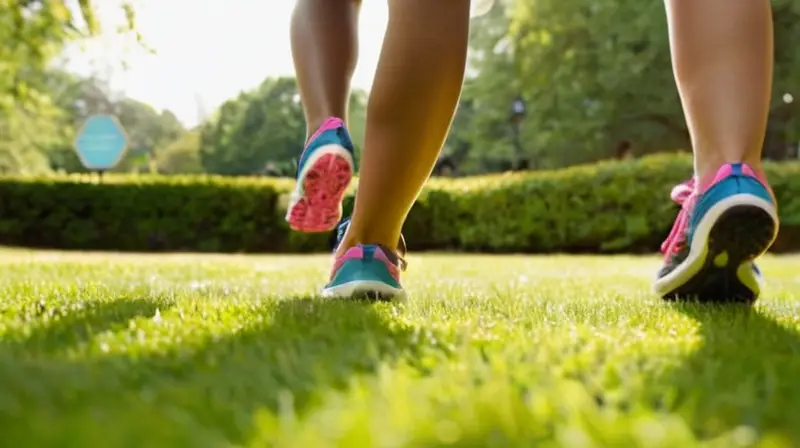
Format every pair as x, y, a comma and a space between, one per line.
741, 234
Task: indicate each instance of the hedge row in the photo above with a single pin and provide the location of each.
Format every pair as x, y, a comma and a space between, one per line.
607, 207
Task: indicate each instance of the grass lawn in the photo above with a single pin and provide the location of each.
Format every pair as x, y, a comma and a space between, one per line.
180, 350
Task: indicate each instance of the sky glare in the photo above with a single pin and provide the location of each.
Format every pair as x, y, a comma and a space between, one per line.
207, 51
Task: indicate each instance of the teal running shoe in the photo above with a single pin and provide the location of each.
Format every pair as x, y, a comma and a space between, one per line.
324, 172
367, 271
723, 226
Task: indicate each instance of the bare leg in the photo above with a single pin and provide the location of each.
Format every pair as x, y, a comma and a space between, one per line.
416, 89
722, 59
325, 51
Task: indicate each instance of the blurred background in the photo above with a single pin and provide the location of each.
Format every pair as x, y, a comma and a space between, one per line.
206, 86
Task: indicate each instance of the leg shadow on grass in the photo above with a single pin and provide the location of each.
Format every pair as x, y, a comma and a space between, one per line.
197, 393
745, 375
53, 328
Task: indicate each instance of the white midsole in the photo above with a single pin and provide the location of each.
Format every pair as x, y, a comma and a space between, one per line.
359, 287
299, 193
318, 154
699, 246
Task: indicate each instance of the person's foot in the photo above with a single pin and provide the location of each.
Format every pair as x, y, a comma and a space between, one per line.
324, 172
722, 227
367, 271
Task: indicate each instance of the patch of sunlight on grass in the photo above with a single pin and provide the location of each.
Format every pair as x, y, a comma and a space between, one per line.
210, 350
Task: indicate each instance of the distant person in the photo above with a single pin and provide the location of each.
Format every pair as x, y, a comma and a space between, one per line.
445, 167
722, 59
624, 150
272, 170
523, 165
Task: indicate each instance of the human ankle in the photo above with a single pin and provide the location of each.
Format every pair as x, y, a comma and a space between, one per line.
707, 169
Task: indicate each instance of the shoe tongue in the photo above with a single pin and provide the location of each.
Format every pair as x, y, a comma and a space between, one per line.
401, 246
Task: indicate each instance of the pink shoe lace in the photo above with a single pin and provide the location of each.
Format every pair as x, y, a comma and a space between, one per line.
684, 195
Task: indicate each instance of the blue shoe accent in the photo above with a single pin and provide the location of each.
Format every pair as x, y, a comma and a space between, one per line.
333, 136
711, 251
730, 186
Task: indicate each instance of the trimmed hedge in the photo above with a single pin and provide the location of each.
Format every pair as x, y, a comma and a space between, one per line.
608, 207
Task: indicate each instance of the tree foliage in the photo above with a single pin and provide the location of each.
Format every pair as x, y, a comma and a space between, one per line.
264, 128
594, 75
32, 32
40, 108
182, 156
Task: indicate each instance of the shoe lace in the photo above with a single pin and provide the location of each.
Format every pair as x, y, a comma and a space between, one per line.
683, 195
400, 254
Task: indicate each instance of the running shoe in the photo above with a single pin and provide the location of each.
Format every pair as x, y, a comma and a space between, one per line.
724, 224
367, 271
324, 172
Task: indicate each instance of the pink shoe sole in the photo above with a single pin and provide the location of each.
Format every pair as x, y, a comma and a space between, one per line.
324, 186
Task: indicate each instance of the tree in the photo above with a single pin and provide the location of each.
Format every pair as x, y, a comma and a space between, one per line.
75, 99
594, 76
147, 130
35, 31
357, 121
182, 156
480, 139
32, 33
599, 73
783, 129
258, 127
22, 139
28, 132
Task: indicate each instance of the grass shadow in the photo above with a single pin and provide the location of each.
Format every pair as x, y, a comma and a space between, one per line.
199, 392
746, 374
56, 327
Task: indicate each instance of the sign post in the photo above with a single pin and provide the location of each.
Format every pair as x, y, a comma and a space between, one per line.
101, 143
